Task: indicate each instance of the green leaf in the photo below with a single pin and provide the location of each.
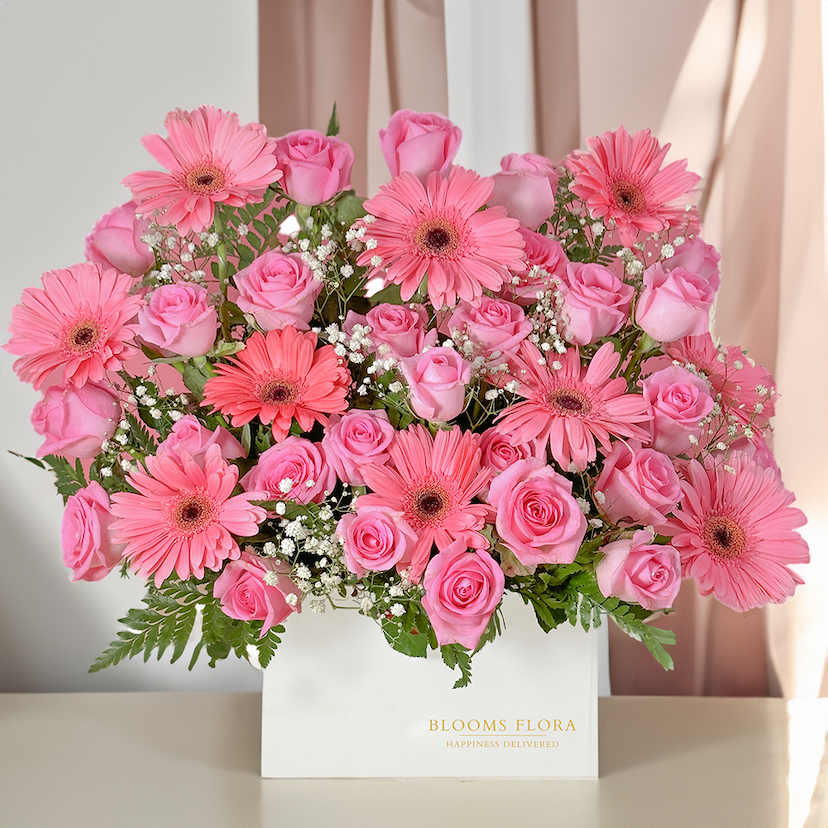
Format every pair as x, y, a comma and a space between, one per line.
33, 460
349, 208
145, 440
167, 619
195, 379
454, 656
333, 123
267, 645
68, 478
409, 642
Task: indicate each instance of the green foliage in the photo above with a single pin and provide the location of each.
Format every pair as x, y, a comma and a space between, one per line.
333, 123
456, 656
569, 593
140, 435
68, 478
168, 618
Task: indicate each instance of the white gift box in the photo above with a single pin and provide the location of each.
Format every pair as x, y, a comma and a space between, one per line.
338, 702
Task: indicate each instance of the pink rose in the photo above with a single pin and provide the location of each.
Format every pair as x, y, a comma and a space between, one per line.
640, 572
295, 469
400, 328
179, 319
637, 485
85, 535
698, 257
115, 241
189, 436
678, 401
596, 303
462, 589
546, 261
246, 596
537, 516
315, 167
375, 539
437, 381
495, 325
277, 290
758, 451
356, 438
526, 186
498, 453
76, 420
679, 292
419, 143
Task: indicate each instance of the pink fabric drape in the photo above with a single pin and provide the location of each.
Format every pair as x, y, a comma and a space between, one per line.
736, 86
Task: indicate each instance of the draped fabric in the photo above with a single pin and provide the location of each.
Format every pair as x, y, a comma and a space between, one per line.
736, 87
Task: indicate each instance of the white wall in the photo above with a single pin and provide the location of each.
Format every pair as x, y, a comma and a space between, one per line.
80, 82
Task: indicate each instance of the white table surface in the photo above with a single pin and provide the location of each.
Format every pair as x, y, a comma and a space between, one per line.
118, 760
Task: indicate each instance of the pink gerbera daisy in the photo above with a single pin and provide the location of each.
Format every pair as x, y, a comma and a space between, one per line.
210, 159
735, 532
622, 179
745, 390
432, 481
78, 321
440, 231
571, 407
184, 515
278, 378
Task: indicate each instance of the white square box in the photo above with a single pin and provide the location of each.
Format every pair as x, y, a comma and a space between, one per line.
338, 702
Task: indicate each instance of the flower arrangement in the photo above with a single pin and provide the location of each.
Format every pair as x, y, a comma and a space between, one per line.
265, 394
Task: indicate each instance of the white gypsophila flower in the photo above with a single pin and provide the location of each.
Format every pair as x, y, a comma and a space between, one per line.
280, 508
596, 523
287, 546
291, 599
303, 572
583, 505
106, 472
269, 549
667, 251
318, 605
175, 416
155, 414
600, 497
396, 591
366, 603
271, 578
285, 485
397, 610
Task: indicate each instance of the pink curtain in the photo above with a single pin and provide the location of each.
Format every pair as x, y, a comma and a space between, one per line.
735, 86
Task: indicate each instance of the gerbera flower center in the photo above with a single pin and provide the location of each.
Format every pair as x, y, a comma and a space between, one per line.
430, 503
569, 401
83, 337
205, 179
628, 197
437, 237
278, 392
723, 537
192, 513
